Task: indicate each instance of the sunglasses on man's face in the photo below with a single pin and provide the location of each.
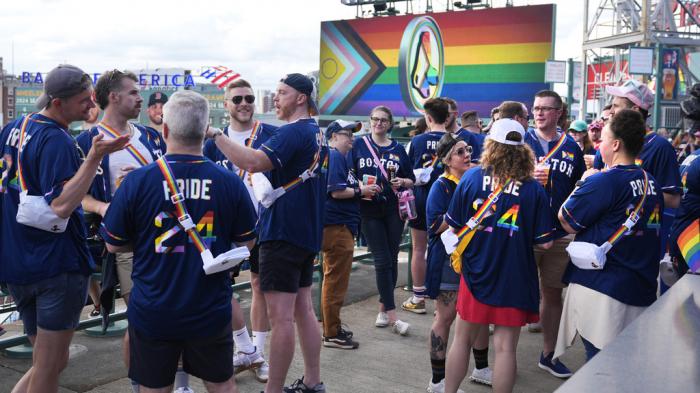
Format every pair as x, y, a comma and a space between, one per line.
238, 99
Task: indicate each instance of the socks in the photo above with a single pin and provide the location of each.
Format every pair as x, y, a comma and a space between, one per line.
481, 357
418, 294
182, 379
438, 367
259, 341
242, 341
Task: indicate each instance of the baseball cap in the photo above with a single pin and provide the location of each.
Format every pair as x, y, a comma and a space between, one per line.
63, 81
578, 126
303, 85
340, 125
635, 91
500, 129
157, 98
597, 124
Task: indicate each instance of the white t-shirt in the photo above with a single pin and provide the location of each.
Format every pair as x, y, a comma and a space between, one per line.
123, 158
240, 137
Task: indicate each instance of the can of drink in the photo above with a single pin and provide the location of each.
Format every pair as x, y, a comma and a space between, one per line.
368, 180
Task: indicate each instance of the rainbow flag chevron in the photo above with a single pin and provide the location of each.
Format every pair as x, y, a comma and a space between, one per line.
689, 244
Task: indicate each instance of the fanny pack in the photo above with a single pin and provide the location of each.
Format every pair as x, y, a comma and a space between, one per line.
456, 243
590, 256
267, 195
33, 210
211, 265
423, 174
407, 203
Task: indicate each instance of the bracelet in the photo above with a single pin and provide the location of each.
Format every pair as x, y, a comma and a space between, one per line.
358, 192
216, 133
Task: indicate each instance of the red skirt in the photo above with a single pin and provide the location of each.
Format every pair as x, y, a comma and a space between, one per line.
473, 311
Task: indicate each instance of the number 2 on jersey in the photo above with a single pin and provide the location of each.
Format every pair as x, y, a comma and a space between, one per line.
206, 222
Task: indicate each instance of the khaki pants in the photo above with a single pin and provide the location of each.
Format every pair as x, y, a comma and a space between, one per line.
338, 246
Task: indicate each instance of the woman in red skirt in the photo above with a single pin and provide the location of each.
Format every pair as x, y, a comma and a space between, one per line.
499, 277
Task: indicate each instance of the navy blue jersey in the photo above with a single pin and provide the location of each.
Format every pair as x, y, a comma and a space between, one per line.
213, 153
422, 154
596, 210
476, 141
50, 158
297, 216
567, 167
437, 204
498, 265
689, 209
391, 157
172, 298
341, 175
101, 188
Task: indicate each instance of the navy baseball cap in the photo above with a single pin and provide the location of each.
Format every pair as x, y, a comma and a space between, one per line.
340, 125
303, 85
157, 98
63, 81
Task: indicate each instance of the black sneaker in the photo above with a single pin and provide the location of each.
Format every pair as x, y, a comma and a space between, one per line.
342, 340
299, 387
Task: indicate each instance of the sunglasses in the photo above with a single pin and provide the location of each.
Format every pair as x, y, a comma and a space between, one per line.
238, 99
463, 151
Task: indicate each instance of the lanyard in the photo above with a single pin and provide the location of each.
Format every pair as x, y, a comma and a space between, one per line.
179, 201
257, 126
633, 217
107, 130
481, 213
556, 147
309, 173
22, 136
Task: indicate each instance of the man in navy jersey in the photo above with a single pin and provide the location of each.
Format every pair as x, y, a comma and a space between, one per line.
290, 229
143, 217
560, 165
244, 130
117, 94
476, 141
514, 110
424, 160
341, 224
155, 110
47, 272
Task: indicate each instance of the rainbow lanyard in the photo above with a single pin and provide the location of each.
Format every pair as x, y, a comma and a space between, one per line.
129, 147
634, 216
309, 173
556, 147
178, 199
257, 126
481, 213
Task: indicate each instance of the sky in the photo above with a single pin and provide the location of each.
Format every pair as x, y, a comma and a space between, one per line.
260, 39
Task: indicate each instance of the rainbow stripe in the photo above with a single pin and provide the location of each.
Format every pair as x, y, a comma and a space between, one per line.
479, 215
109, 131
180, 204
257, 126
689, 244
621, 231
556, 147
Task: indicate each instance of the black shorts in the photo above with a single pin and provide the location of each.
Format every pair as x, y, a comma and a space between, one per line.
420, 222
254, 259
285, 267
153, 362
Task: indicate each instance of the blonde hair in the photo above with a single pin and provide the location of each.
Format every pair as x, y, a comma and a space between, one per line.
508, 161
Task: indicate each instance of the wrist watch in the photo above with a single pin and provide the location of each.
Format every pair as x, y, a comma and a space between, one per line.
216, 133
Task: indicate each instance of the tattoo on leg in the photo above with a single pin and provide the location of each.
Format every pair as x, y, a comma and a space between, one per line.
438, 345
448, 297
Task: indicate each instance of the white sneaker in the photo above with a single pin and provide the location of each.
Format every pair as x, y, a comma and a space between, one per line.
262, 372
184, 389
439, 387
382, 320
482, 376
245, 361
534, 327
400, 327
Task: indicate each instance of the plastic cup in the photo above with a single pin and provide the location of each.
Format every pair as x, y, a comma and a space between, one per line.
544, 167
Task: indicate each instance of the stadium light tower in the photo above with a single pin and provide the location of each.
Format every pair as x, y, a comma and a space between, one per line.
379, 7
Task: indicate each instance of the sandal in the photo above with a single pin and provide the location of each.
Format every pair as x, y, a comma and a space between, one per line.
95, 311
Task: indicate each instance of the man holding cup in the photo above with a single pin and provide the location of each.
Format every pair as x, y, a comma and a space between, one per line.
559, 166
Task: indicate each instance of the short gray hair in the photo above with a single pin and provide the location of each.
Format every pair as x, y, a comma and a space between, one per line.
187, 114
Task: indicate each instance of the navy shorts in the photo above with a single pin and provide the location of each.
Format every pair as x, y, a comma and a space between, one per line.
153, 362
420, 222
449, 281
285, 267
52, 304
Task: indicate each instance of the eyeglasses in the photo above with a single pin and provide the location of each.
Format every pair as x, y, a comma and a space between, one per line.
238, 99
382, 120
463, 151
346, 133
544, 109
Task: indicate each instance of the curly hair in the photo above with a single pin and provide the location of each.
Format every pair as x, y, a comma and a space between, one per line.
508, 161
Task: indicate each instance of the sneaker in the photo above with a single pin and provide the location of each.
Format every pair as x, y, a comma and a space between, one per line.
409, 305
183, 389
534, 327
262, 372
246, 361
482, 376
439, 387
555, 367
382, 320
400, 327
342, 340
299, 387
2, 330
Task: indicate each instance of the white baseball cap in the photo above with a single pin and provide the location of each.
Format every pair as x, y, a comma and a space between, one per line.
500, 129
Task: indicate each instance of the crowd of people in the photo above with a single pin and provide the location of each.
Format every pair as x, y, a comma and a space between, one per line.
502, 218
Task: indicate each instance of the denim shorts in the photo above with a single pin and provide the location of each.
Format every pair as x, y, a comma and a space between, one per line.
450, 279
52, 304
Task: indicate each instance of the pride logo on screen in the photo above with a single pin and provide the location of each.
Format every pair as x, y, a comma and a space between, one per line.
421, 62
